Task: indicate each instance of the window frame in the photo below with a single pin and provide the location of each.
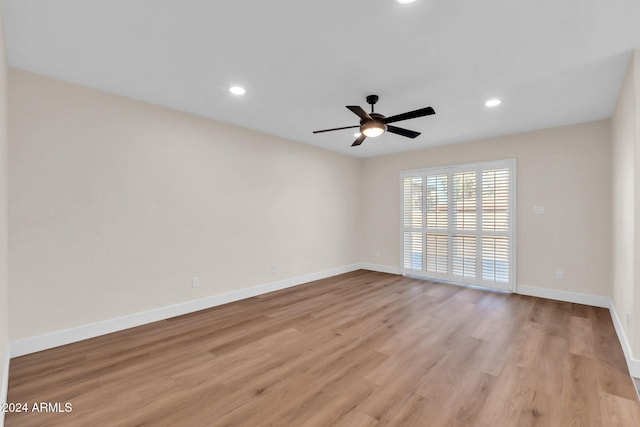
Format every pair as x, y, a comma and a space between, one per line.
450, 170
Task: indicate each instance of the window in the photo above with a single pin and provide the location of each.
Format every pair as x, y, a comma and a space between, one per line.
458, 223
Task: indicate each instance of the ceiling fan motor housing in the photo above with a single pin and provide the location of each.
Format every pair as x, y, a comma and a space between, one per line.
377, 122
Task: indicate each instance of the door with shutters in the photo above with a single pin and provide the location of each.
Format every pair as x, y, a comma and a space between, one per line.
458, 224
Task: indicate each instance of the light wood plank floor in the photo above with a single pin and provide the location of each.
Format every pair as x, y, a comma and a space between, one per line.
360, 349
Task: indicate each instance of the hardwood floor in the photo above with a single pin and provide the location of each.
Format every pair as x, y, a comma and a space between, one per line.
360, 349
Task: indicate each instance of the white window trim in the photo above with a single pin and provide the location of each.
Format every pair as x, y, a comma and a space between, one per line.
496, 164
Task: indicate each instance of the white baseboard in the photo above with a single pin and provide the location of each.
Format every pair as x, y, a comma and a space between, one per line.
379, 268
578, 298
5, 382
575, 297
633, 364
67, 336
593, 300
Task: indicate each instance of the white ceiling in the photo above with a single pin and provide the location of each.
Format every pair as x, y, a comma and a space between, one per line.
553, 62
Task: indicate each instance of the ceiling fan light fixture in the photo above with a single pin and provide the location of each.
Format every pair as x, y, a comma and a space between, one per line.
237, 90
372, 129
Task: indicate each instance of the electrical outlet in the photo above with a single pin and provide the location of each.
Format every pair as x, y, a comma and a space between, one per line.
559, 275
195, 282
274, 268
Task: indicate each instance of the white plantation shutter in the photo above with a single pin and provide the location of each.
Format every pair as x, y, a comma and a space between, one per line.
495, 199
464, 256
496, 218
436, 199
412, 209
457, 223
437, 207
412, 197
437, 253
464, 201
413, 251
495, 259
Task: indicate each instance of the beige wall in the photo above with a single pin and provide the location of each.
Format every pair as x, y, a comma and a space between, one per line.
635, 320
4, 317
626, 204
623, 200
567, 170
115, 204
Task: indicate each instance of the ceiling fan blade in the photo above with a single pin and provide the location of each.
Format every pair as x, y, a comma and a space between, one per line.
410, 115
331, 130
359, 112
359, 141
401, 131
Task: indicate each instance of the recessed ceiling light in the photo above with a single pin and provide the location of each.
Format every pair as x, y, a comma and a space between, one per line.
237, 90
493, 102
405, 1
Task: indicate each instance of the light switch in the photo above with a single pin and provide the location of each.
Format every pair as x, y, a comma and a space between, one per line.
538, 210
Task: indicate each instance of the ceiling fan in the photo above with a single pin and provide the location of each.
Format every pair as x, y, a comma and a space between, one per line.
374, 124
